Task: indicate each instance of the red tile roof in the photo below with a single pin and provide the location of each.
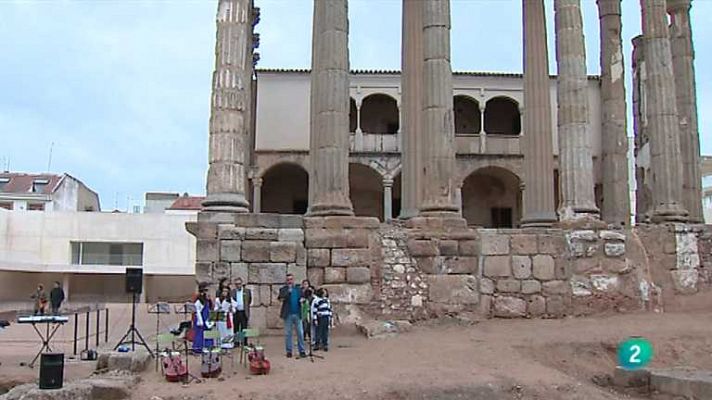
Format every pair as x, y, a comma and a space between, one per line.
187, 203
22, 183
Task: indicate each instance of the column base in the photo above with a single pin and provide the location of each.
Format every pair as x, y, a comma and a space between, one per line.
569, 213
408, 213
226, 202
539, 220
671, 212
325, 210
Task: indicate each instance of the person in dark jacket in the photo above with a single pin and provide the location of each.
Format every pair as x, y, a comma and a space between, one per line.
56, 297
291, 297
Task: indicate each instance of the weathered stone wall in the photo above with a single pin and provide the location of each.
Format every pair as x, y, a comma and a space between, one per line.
429, 267
259, 248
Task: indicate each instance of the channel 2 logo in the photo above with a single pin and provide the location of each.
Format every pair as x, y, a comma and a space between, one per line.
634, 353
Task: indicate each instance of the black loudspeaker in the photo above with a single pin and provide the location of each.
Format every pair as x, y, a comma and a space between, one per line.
51, 371
134, 280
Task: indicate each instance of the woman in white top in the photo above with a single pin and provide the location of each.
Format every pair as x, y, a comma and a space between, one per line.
226, 305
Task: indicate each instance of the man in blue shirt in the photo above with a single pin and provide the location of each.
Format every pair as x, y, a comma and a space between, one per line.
291, 297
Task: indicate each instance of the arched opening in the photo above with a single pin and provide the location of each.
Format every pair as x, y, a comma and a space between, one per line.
352, 115
502, 117
366, 190
467, 115
285, 189
491, 198
379, 114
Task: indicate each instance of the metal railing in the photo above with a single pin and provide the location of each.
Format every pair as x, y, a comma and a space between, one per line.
87, 313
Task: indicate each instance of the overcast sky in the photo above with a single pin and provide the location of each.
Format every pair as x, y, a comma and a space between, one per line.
122, 87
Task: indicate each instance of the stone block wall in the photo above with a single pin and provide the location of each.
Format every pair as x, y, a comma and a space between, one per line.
429, 267
259, 248
343, 256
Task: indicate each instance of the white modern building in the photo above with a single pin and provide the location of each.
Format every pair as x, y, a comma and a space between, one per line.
45, 192
89, 253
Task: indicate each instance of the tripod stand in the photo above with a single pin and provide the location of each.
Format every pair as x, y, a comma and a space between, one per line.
308, 332
133, 331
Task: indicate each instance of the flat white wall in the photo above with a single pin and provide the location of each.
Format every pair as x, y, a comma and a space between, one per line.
40, 242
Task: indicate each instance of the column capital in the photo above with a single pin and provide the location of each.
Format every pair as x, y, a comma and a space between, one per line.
257, 182
387, 182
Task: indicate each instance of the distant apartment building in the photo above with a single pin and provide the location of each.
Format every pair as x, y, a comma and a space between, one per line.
707, 188
45, 192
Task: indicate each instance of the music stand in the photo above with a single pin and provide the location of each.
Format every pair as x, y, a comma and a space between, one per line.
158, 309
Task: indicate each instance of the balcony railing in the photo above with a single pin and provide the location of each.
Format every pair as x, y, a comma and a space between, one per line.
361, 142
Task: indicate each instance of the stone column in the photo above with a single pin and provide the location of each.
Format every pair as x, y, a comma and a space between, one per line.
575, 162
683, 57
387, 199
643, 201
438, 118
615, 208
661, 111
483, 134
329, 119
536, 141
458, 197
257, 195
412, 99
230, 109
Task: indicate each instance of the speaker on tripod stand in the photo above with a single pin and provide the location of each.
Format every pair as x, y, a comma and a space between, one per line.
134, 286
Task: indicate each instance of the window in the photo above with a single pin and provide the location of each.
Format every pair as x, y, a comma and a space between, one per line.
36, 207
3, 182
105, 253
39, 185
6, 205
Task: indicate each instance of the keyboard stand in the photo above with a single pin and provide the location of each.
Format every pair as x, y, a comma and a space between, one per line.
45, 339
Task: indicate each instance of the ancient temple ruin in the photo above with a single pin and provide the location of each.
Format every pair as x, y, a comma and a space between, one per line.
482, 202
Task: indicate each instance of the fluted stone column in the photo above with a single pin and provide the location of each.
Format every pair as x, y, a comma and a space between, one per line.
387, 199
683, 57
615, 208
575, 162
329, 119
438, 118
230, 109
661, 112
411, 93
538, 197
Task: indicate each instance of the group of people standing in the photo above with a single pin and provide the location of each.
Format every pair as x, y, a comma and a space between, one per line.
231, 314
39, 297
306, 311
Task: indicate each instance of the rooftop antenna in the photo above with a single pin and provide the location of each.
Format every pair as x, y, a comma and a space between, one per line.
49, 162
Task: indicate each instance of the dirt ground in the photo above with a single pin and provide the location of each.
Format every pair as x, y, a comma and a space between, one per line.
494, 359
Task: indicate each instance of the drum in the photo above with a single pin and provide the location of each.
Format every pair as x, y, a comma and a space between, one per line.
211, 365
